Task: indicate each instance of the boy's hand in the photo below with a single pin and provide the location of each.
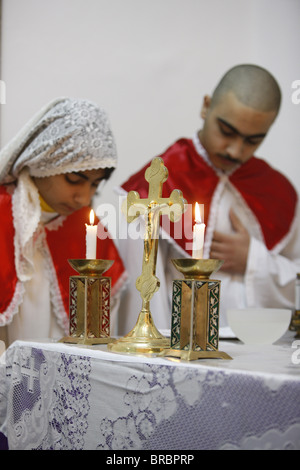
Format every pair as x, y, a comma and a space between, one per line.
233, 249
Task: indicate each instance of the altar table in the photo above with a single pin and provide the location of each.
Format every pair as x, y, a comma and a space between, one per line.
62, 396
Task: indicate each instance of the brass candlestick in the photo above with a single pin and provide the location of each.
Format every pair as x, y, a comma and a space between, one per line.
89, 302
144, 338
195, 311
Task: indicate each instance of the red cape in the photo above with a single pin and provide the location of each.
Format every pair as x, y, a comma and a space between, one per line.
268, 194
67, 242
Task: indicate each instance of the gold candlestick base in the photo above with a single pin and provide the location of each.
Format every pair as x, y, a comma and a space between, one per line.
194, 355
85, 340
89, 303
195, 311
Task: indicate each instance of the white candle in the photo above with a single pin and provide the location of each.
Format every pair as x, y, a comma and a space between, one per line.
91, 238
198, 234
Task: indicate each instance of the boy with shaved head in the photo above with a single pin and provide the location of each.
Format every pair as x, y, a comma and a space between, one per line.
250, 209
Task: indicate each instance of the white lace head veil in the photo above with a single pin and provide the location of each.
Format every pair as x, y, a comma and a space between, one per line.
66, 135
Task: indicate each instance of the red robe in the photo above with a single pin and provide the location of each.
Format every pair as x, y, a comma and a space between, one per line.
67, 242
268, 194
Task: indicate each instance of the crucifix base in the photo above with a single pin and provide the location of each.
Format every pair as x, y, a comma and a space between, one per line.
143, 339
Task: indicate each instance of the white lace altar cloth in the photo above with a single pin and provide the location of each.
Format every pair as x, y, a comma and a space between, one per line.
59, 396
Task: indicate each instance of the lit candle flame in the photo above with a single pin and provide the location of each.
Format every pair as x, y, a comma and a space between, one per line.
197, 214
92, 217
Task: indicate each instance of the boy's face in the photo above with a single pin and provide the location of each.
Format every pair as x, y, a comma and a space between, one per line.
69, 192
232, 131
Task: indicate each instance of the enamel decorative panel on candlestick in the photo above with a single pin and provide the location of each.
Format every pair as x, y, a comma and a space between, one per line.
89, 303
195, 311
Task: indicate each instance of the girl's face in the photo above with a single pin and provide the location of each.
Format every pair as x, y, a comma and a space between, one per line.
69, 192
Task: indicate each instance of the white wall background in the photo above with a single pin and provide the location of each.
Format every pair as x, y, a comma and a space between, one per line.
149, 63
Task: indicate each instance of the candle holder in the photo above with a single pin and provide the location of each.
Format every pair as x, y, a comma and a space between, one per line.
195, 311
89, 303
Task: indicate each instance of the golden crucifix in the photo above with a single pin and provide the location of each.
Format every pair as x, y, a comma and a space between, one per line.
144, 338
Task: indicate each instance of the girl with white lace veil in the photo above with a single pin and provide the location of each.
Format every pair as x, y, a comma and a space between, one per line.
48, 175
